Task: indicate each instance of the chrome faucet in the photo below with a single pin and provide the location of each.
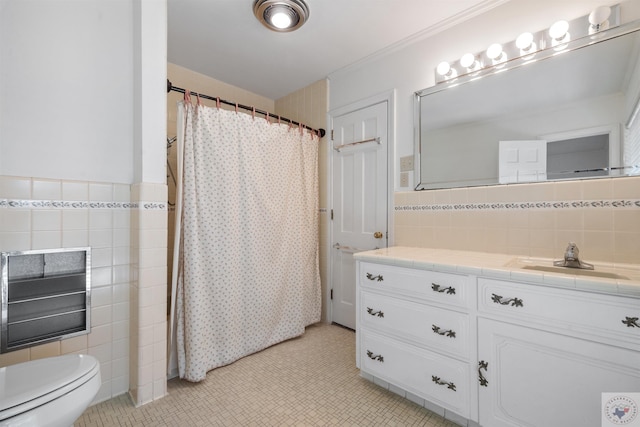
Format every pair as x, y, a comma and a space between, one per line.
572, 260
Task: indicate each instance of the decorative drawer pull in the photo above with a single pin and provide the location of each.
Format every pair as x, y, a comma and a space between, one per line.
482, 365
372, 277
514, 302
377, 357
448, 333
631, 322
449, 290
450, 386
378, 313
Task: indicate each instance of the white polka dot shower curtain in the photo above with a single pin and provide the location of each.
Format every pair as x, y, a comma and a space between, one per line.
247, 275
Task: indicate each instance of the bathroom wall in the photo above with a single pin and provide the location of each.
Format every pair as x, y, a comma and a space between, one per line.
409, 66
79, 167
48, 213
536, 219
309, 106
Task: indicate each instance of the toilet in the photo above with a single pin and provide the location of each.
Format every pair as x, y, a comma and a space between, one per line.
48, 392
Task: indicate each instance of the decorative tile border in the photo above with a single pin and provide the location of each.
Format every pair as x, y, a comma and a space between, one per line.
60, 204
575, 204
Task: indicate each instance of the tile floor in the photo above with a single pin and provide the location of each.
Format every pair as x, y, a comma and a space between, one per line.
307, 381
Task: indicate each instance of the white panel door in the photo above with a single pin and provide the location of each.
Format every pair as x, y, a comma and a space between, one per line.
359, 200
522, 161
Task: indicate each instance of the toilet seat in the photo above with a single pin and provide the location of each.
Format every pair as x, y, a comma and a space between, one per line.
25, 386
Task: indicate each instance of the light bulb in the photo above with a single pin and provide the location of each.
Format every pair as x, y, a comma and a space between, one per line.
445, 70
468, 61
496, 54
281, 20
525, 41
527, 46
559, 33
559, 30
599, 19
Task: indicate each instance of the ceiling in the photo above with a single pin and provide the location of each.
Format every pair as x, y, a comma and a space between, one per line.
222, 39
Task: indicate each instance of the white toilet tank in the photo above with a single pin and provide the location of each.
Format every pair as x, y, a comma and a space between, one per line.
48, 392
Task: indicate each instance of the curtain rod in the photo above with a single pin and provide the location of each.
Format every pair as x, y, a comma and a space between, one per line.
170, 88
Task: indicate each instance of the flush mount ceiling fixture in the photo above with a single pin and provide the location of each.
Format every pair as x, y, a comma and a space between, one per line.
281, 15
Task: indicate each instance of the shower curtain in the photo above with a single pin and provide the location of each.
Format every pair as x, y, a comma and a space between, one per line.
247, 273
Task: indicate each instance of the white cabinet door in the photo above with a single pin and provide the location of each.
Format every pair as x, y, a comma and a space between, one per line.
543, 379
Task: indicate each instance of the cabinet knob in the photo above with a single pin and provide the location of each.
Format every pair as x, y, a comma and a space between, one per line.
372, 312
437, 380
377, 357
448, 333
437, 288
631, 322
514, 302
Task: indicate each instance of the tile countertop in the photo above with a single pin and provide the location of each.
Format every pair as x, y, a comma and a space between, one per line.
605, 278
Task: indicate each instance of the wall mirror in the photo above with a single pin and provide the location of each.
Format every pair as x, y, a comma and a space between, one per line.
580, 104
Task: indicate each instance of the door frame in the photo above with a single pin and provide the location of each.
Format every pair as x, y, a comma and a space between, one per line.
389, 98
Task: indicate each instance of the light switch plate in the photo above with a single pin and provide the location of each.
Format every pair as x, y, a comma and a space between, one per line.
404, 179
406, 164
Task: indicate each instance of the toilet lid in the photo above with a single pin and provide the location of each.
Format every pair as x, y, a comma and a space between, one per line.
40, 381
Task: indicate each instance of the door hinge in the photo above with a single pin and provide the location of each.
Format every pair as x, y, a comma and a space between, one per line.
331, 296
332, 134
332, 214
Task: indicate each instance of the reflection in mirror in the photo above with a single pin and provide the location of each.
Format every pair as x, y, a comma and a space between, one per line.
575, 112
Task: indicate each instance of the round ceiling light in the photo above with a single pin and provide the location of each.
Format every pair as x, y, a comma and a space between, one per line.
281, 15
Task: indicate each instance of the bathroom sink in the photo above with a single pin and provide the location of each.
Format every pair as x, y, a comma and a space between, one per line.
544, 264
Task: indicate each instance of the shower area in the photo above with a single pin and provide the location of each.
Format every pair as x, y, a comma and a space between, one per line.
245, 271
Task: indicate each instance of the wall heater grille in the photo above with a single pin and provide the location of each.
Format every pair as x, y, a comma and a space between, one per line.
46, 296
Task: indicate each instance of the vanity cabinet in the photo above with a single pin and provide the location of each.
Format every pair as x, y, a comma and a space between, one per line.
547, 355
413, 331
497, 352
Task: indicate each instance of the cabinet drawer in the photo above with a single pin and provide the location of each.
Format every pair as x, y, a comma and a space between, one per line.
607, 315
444, 288
446, 330
439, 379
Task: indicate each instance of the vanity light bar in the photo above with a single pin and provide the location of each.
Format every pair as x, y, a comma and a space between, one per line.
525, 48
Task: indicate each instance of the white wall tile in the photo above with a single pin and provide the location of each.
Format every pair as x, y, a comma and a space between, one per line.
101, 257
120, 329
46, 239
101, 296
15, 187
75, 219
121, 219
120, 291
121, 193
75, 238
100, 238
46, 189
99, 192
121, 255
46, 220
121, 237
101, 276
19, 241
75, 191
100, 219
101, 316
101, 336
121, 311
15, 220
